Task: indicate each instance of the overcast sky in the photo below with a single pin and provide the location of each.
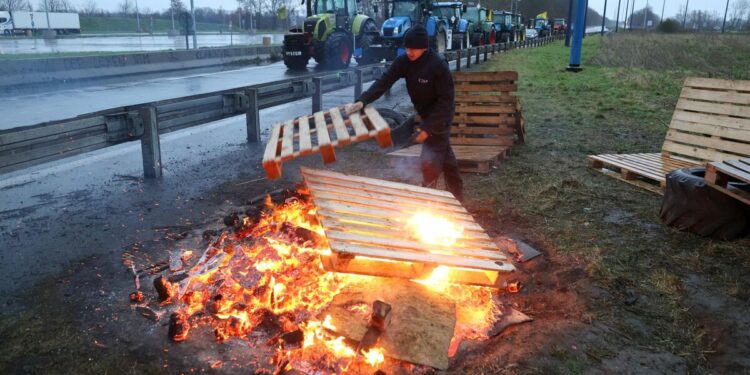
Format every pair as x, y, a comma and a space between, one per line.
671, 6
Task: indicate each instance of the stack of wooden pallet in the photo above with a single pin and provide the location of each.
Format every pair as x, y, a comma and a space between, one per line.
711, 123
331, 129
718, 175
487, 123
364, 220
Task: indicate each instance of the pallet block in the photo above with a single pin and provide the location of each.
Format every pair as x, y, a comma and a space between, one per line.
331, 129
711, 123
718, 175
364, 221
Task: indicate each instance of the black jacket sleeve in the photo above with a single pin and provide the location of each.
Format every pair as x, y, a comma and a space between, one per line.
382, 84
440, 114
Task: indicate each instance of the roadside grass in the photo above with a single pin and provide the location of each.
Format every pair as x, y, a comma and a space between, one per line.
610, 228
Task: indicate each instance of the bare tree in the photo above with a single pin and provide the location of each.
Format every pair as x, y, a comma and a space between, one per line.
56, 5
176, 6
126, 7
89, 7
13, 5
739, 7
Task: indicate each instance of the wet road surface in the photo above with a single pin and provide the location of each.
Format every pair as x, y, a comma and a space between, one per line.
134, 43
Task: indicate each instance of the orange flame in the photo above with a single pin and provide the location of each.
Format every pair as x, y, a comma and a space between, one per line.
434, 230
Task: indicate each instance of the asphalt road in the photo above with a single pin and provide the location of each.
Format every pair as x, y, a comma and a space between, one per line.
30, 109
130, 43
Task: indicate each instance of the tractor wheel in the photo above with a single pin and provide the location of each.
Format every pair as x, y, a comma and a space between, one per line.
465, 41
505, 37
338, 50
457, 41
6, 32
364, 41
477, 39
296, 62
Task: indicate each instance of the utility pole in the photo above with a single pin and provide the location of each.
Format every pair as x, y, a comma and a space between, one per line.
724, 24
684, 18
604, 16
570, 23
632, 9
580, 29
137, 18
617, 23
663, 2
625, 20
192, 14
645, 13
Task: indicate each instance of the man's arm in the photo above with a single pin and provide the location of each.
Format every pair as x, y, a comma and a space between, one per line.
440, 115
382, 84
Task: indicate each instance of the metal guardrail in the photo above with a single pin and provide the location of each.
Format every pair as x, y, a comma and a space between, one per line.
48, 141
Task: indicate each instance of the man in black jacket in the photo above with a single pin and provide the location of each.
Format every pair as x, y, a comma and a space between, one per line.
430, 86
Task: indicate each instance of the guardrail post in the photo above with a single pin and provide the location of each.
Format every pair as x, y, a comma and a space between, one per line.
150, 147
468, 58
358, 84
252, 116
477, 61
317, 98
458, 60
493, 49
485, 53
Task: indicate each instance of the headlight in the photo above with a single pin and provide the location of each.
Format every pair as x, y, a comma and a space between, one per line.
453, 19
395, 30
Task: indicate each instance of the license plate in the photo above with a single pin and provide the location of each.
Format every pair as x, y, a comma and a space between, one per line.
293, 53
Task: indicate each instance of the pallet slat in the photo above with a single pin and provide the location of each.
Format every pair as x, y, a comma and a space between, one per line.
368, 233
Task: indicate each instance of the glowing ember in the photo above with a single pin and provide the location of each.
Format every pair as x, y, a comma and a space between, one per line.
269, 274
434, 230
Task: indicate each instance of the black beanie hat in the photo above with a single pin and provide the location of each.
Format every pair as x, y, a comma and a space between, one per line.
416, 37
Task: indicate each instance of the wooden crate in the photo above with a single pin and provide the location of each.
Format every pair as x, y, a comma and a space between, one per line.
718, 175
711, 122
364, 221
331, 129
488, 120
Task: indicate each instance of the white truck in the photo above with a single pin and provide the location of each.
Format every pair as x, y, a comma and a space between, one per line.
29, 22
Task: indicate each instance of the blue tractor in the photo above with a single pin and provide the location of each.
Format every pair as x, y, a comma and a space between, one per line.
404, 15
459, 28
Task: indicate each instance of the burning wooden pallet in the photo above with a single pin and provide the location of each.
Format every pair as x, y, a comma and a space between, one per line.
366, 223
718, 175
331, 129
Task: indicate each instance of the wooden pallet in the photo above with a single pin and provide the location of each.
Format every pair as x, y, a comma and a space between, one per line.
647, 171
364, 221
488, 120
331, 129
719, 174
711, 122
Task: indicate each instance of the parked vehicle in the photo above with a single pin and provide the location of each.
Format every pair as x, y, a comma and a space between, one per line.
27, 23
458, 27
332, 34
405, 14
504, 26
559, 25
482, 30
531, 34
541, 25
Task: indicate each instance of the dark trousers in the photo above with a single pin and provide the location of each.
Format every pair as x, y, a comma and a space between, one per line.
438, 157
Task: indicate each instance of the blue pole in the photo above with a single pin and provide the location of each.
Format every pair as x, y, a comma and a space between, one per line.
579, 29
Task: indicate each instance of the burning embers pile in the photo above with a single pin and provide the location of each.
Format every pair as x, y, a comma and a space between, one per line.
265, 281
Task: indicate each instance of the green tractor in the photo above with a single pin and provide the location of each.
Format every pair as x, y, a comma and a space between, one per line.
483, 30
332, 34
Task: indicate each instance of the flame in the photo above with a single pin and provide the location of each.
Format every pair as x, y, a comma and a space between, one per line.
434, 230
269, 271
374, 356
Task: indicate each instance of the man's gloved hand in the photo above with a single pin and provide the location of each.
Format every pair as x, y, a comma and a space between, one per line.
418, 136
354, 107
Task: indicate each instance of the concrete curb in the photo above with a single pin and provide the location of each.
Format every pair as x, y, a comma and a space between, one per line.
40, 71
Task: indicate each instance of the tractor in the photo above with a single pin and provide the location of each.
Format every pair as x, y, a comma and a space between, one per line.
541, 25
559, 25
450, 12
404, 14
503, 21
482, 31
332, 33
